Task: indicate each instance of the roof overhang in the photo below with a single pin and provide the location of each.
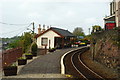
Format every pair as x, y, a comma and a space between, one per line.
109, 17
47, 31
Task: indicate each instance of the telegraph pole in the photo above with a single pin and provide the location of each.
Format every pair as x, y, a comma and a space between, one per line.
33, 28
33, 31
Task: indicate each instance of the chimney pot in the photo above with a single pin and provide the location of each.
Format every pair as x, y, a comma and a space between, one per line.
39, 26
39, 29
43, 28
47, 27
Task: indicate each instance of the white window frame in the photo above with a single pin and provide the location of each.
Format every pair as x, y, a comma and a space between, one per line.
44, 41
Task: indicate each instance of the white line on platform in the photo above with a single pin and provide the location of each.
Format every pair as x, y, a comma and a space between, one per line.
62, 64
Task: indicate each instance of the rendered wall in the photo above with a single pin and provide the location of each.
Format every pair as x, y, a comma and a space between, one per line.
50, 35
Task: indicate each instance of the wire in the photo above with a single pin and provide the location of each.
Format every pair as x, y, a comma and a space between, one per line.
23, 30
12, 24
17, 30
12, 31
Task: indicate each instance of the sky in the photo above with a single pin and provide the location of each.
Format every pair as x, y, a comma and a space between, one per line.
17, 15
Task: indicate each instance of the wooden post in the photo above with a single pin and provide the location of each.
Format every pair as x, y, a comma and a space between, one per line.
49, 44
45, 49
33, 27
63, 42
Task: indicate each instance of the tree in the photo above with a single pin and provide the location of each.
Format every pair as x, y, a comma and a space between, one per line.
78, 32
13, 42
96, 28
26, 40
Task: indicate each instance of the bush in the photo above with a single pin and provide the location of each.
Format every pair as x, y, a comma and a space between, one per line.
52, 49
34, 49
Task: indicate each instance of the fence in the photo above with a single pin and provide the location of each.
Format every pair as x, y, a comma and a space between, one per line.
11, 56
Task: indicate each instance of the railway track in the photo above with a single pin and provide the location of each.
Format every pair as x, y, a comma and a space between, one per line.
74, 66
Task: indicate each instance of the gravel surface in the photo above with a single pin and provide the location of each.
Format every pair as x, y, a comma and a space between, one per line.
99, 68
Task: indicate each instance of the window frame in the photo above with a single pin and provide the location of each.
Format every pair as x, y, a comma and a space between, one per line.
43, 42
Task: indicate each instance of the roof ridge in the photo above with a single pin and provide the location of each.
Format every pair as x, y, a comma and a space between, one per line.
59, 28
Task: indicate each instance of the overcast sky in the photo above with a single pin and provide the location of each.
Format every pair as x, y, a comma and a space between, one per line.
65, 14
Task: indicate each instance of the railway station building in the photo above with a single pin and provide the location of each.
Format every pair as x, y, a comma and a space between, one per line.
54, 38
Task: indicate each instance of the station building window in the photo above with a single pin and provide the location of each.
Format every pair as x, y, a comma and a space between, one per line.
44, 41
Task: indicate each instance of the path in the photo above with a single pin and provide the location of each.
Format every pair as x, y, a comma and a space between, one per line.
45, 66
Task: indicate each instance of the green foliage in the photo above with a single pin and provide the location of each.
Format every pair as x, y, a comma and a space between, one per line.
88, 37
14, 44
96, 28
22, 58
34, 48
78, 32
28, 53
10, 42
27, 38
26, 41
14, 64
53, 48
23, 41
116, 40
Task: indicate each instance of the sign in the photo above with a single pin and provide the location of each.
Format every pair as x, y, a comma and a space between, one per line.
109, 21
110, 25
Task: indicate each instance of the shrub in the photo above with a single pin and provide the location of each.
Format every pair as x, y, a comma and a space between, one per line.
52, 49
22, 58
28, 53
34, 48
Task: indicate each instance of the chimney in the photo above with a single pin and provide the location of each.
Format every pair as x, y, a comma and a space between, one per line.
50, 26
43, 28
47, 27
39, 29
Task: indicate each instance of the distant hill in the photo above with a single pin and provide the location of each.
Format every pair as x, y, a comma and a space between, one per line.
5, 41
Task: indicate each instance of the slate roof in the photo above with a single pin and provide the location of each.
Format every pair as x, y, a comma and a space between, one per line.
63, 32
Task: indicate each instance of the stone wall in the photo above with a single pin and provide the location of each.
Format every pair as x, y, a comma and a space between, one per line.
105, 47
41, 51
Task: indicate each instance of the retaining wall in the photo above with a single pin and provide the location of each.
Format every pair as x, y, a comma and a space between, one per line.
105, 47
